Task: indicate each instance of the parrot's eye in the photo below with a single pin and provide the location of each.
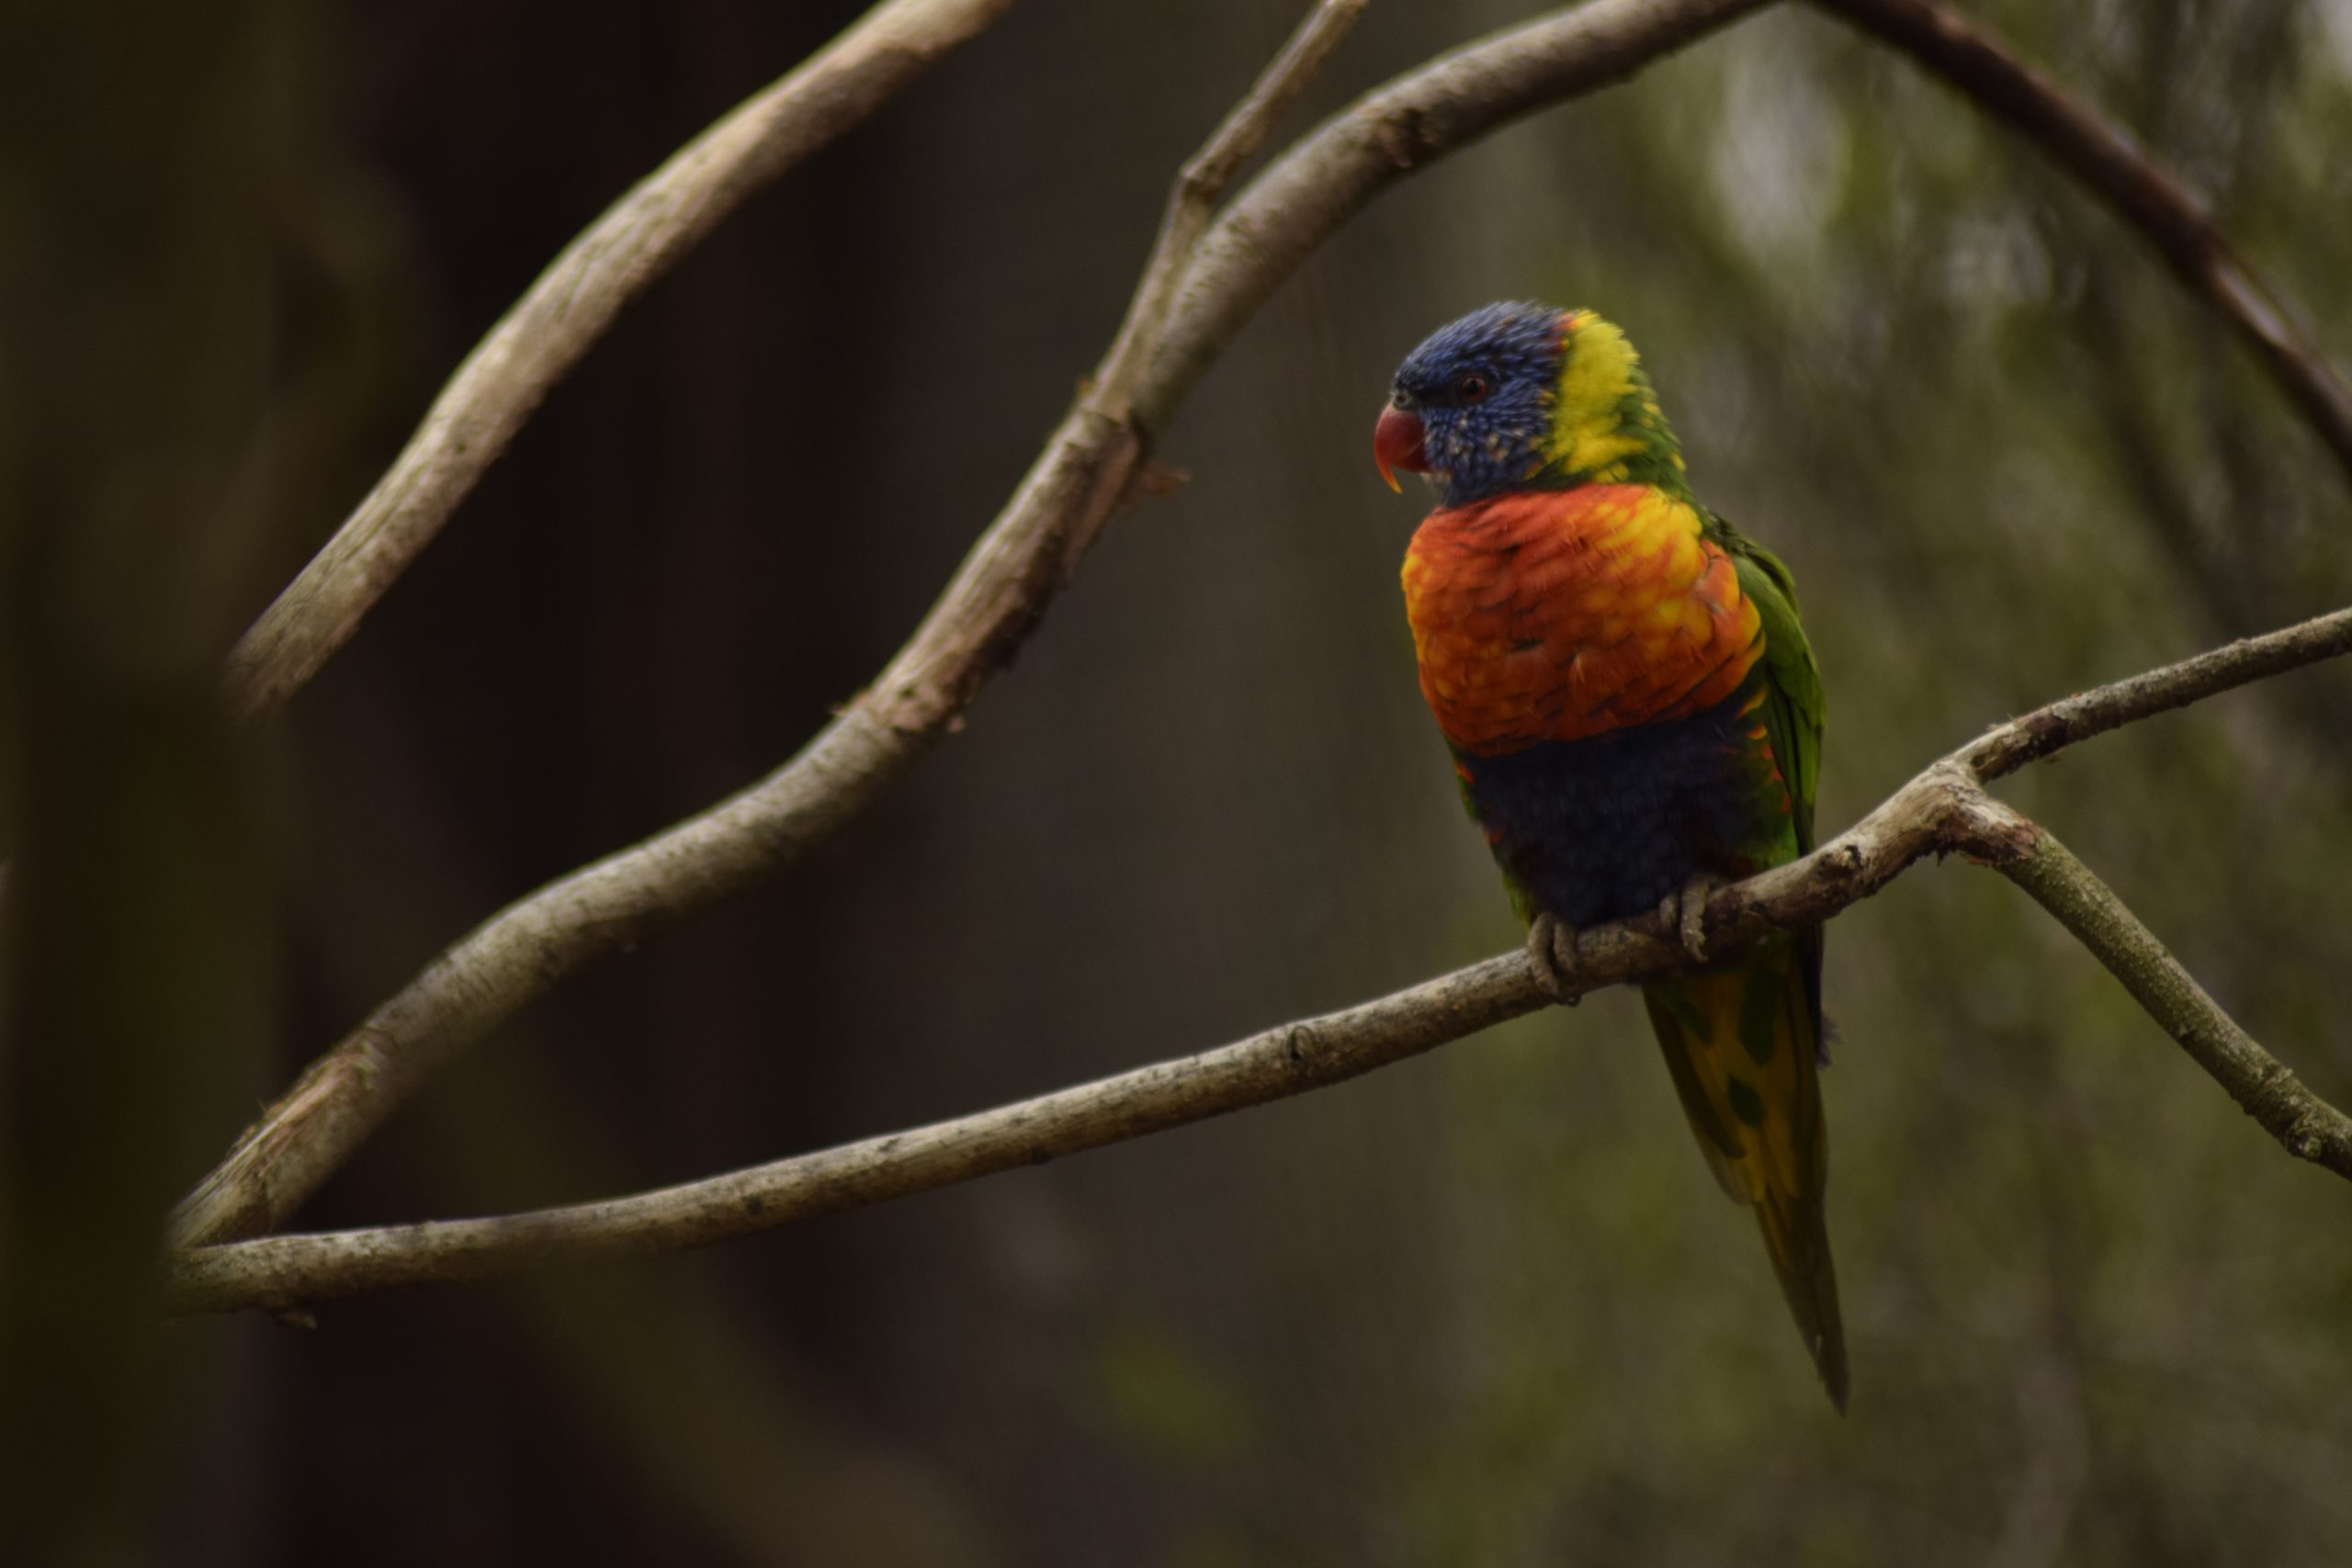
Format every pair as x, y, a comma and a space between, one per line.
1473, 387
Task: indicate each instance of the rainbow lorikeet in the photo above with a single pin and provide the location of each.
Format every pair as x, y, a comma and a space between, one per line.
1635, 717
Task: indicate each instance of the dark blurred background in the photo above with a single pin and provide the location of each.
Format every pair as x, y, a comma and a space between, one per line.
1485, 1308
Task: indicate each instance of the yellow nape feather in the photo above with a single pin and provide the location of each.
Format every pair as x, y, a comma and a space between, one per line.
1591, 437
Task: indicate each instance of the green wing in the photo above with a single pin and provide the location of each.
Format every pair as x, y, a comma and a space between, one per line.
1793, 681
1793, 704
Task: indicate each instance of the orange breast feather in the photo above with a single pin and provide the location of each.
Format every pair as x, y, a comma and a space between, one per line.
1557, 614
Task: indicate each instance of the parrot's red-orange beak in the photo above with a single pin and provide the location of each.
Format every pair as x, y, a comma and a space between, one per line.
1397, 443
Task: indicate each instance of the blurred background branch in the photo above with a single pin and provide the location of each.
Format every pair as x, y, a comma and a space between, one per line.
1941, 810
2137, 189
570, 306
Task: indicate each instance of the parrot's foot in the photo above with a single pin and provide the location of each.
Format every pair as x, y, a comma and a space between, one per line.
1685, 913
1552, 949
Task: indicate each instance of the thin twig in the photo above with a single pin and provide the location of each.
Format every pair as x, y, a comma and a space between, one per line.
534, 344
1092, 461
2100, 155
2264, 1087
1191, 201
2046, 731
2032, 736
1945, 807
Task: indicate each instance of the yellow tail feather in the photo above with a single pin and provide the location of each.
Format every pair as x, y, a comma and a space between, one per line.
1741, 1044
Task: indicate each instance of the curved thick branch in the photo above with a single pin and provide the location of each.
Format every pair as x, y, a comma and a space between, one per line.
2167, 215
534, 344
1944, 808
1092, 461
1300, 201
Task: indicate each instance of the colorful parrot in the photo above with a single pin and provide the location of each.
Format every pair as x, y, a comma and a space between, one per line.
1635, 718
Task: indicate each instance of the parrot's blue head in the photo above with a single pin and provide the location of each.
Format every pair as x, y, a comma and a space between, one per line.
1521, 396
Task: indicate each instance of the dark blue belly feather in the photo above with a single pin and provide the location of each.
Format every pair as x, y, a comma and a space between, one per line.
1603, 828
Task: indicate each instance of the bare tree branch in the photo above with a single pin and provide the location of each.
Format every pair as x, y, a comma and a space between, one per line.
1944, 808
2265, 1088
534, 344
1092, 462
2046, 731
2106, 161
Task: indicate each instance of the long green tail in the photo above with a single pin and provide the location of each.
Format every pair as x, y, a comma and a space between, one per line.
1742, 1044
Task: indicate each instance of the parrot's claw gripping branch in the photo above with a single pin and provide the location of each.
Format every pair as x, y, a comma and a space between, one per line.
1552, 952
1685, 913
1551, 942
